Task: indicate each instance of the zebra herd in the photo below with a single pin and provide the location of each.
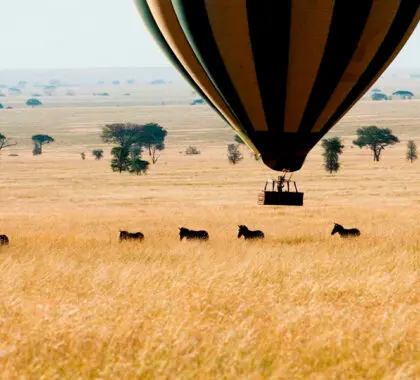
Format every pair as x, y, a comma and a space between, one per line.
187, 234
243, 231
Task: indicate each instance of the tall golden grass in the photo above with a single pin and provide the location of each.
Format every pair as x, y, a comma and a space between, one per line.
300, 304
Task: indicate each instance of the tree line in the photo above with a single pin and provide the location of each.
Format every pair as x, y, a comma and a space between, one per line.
131, 141
371, 137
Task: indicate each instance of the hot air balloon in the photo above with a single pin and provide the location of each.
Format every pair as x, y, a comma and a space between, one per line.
281, 73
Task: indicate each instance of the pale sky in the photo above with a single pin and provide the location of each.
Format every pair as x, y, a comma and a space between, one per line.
94, 33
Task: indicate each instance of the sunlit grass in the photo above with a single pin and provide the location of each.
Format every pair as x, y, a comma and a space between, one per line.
76, 303
86, 305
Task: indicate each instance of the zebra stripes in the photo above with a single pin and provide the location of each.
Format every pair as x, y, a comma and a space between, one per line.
281, 72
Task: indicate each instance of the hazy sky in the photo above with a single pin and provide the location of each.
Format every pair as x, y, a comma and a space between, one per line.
90, 33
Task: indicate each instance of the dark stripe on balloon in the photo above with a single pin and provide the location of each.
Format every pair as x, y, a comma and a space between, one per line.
192, 16
348, 22
269, 30
400, 26
148, 19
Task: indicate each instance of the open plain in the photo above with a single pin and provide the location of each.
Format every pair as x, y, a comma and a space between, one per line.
75, 303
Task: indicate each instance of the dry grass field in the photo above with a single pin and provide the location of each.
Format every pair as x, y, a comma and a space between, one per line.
75, 303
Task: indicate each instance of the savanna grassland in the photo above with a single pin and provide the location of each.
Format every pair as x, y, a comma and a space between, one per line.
75, 303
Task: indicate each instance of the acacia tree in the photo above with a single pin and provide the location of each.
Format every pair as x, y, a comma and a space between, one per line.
33, 102
136, 164
39, 141
135, 150
234, 154
120, 161
376, 139
5, 142
153, 138
255, 156
411, 151
122, 134
332, 149
131, 138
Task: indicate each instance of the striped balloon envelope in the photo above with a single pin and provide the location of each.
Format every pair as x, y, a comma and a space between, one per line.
281, 73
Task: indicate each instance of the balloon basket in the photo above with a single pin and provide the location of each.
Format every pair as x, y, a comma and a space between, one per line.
280, 193
273, 198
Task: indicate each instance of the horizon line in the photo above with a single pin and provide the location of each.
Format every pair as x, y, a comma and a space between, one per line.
86, 68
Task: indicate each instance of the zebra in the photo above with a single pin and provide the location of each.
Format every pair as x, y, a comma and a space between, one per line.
4, 240
125, 235
248, 234
190, 234
345, 233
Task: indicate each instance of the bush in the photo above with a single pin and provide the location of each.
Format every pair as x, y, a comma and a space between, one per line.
192, 150
411, 151
98, 153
